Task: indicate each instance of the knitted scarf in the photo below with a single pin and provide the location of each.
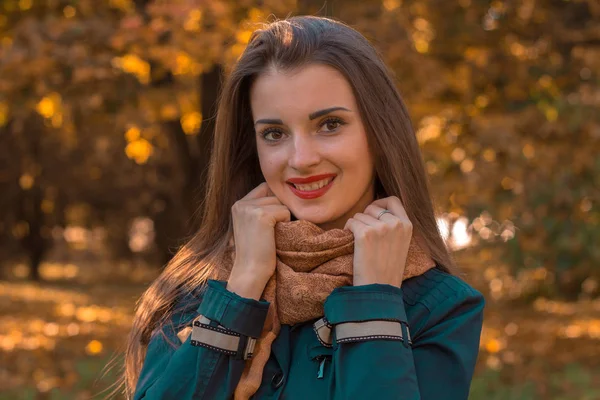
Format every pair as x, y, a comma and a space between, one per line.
311, 262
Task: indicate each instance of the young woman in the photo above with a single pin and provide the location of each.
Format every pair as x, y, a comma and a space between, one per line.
319, 271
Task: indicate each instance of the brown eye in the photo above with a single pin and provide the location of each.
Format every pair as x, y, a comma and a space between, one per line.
268, 131
275, 133
332, 124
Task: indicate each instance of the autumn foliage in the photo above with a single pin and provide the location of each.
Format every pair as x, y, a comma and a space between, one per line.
106, 118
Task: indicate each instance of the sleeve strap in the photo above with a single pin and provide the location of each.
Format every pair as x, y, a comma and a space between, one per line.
322, 329
348, 332
221, 339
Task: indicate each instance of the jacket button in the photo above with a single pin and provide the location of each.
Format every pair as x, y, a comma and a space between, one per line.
277, 380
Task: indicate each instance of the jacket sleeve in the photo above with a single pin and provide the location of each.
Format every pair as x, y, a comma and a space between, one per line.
436, 364
194, 372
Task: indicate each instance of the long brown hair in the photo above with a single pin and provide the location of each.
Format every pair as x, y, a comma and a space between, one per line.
234, 168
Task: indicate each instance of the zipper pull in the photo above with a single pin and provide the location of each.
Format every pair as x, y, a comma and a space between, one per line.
321, 368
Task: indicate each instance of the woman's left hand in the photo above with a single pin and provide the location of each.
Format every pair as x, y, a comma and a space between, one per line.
380, 246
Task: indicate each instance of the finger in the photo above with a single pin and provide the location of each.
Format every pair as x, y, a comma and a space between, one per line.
391, 203
262, 201
374, 210
279, 212
367, 219
261, 190
388, 218
354, 225
348, 225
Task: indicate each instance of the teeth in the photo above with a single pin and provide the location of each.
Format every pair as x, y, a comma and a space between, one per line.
314, 185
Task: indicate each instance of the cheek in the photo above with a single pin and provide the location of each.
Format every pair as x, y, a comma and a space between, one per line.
271, 163
354, 153
358, 161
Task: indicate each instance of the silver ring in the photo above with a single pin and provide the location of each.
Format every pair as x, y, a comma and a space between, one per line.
383, 212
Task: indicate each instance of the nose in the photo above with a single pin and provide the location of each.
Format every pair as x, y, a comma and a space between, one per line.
304, 152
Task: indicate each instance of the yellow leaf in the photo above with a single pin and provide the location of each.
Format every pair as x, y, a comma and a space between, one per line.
507, 183
69, 11
26, 181
133, 64
191, 122
431, 128
471, 110
422, 46
139, 150
57, 120
573, 331
25, 5
551, 114
467, 165
482, 101
545, 81
528, 151
193, 21
422, 24
123, 5
45, 107
493, 346
3, 114
432, 167
243, 36
489, 155
237, 50
49, 105
94, 347
132, 134
47, 206
518, 50
458, 154
86, 314
183, 64
255, 15
391, 5
168, 112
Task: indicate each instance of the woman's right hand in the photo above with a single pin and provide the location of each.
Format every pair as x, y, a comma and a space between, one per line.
254, 218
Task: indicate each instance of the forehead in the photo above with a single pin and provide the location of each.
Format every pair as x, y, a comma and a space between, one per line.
304, 90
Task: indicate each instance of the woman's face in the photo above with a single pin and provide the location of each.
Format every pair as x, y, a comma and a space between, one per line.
297, 138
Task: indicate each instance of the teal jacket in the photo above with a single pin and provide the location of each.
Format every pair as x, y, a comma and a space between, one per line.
444, 315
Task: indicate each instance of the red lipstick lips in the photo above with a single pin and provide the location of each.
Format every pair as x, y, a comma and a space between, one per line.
310, 194
314, 178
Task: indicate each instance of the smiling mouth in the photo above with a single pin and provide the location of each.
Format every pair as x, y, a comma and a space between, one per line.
311, 187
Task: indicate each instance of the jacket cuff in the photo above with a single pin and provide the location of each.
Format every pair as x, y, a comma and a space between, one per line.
239, 314
365, 303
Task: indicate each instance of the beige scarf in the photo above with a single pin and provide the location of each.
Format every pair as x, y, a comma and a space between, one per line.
311, 262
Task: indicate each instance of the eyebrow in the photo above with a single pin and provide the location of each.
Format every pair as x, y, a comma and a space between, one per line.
311, 116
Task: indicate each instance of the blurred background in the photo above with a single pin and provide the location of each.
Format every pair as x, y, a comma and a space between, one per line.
106, 120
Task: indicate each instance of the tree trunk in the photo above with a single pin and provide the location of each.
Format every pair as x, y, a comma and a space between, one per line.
210, 89
30, 204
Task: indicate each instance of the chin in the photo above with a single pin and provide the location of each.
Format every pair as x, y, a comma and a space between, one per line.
315, 218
